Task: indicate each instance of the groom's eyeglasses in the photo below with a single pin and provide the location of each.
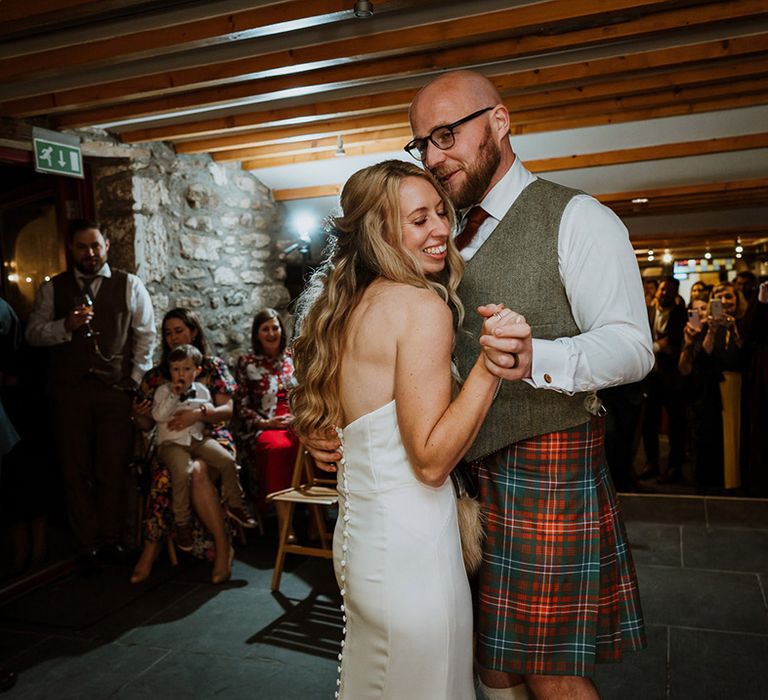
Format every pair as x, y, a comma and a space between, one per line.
441, 137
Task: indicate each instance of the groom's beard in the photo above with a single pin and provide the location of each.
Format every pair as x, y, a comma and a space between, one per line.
478, 175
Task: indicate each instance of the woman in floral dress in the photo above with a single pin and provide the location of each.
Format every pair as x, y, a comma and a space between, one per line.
264, 379
211, 537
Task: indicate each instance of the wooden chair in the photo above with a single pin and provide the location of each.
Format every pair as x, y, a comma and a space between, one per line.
316, 493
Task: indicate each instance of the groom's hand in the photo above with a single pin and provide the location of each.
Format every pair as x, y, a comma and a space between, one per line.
326, 452
506, 341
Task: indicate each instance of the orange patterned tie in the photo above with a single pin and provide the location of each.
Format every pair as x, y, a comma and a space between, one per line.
474, 220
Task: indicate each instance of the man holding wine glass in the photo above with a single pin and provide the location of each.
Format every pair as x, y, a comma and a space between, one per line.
99, 325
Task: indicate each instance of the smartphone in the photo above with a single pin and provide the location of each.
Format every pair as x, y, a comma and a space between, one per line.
694, 319
716, 309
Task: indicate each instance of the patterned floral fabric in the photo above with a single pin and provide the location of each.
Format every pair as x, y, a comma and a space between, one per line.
263, 385
158, 516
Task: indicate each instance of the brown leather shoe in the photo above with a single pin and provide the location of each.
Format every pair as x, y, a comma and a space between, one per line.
242, 515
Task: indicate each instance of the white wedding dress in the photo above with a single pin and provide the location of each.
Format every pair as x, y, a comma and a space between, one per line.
397, 557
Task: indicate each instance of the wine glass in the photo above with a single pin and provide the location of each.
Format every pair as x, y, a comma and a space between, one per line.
84, 301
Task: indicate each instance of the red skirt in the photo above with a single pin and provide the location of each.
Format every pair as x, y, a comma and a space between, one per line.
273, 456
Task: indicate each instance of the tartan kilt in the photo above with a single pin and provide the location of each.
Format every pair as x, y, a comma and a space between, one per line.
557, 589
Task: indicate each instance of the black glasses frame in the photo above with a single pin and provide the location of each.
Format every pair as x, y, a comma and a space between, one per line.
417, 148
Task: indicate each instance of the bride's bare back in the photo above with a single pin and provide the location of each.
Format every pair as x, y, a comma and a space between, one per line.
398, 346
367, 379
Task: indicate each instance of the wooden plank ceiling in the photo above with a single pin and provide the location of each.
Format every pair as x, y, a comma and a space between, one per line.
276, 83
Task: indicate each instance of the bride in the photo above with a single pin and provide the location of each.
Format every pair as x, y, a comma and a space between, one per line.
374, 355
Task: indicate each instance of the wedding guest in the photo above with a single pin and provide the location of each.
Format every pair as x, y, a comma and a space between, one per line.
264, 379
182, 327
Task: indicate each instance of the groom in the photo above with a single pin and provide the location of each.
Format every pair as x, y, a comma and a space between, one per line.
557, 588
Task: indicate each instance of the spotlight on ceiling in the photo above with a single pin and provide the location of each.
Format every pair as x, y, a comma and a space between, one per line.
363, 8
340, 146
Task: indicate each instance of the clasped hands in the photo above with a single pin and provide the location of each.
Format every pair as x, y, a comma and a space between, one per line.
507, 345
506, 342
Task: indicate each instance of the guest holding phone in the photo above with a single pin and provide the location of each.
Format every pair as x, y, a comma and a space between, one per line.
701, 384
723, 342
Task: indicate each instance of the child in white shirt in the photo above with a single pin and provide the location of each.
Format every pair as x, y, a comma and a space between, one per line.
178, 448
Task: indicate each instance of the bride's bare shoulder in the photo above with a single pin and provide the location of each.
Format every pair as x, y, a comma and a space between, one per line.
404, 304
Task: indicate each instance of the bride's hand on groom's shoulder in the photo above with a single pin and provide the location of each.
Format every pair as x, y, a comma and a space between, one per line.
506, 342
325, 451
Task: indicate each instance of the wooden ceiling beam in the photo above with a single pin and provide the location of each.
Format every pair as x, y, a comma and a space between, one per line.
266, 136
381, 146
532, 124
574, 115
425, 35
580, 93
656, 100
643, 154
363, 106
291, 148
198, 33
570, 69
612, 199
186, 84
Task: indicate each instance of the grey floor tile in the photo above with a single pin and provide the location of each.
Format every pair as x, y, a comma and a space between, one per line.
69, 668
197, 676
240, 611
714, 665
737, 512
654, 543
642, 675
674, 510
725, 549
702, 599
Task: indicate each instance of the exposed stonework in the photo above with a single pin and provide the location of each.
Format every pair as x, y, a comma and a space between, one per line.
200, 234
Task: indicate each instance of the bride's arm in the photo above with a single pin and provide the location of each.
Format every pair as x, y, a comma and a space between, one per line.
436, 432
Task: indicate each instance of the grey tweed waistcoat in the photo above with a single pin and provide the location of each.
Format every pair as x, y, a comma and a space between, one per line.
518, 265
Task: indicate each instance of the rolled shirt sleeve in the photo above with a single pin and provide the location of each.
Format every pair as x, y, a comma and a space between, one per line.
143, 326
42, 329
599, 271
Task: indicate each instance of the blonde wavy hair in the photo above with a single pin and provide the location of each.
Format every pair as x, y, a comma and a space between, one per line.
365, 243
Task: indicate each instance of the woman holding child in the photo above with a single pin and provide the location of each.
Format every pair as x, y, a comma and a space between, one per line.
182, 327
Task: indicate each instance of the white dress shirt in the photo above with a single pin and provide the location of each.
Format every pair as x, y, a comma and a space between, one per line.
43, 329
599, 271
166, 404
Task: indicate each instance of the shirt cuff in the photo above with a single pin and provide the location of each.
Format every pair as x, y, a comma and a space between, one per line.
550, 366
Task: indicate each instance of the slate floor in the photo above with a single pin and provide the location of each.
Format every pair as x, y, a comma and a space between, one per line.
702, 564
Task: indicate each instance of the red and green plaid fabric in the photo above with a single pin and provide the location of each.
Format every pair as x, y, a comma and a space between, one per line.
557, 590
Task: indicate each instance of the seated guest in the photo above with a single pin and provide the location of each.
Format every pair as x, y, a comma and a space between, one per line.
178, 447
264, 379
182, 327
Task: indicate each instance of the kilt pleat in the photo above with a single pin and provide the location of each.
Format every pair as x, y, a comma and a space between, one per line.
557, 589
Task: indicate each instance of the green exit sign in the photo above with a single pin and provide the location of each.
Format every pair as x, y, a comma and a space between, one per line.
57, 153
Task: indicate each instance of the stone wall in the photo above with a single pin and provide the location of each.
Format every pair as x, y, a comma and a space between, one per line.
199, 234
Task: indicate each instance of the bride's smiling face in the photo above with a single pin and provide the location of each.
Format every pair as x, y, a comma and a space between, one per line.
424, 223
